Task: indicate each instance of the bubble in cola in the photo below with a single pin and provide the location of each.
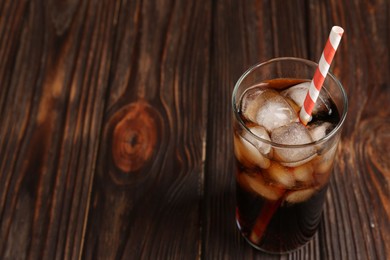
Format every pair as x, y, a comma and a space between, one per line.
280, 190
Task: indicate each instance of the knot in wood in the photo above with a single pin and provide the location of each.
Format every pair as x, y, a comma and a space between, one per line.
134, 137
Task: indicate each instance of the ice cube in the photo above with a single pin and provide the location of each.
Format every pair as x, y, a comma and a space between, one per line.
321, 179
298, 163
292, 134
260, 131
281, 175
248, 154
293, 105
318, 130
324, 162
249, 105
304, 173
323, 165
300, 195
274, 111
298, 94
255, 183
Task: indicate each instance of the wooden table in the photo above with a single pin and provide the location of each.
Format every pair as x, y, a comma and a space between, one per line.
116, 138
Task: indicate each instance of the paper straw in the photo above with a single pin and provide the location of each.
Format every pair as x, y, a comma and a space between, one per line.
320, 74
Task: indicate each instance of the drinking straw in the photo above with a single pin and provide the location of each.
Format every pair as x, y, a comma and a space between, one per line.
263, 219
320, 74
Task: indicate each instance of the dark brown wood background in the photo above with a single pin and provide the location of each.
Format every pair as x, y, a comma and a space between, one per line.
115, 125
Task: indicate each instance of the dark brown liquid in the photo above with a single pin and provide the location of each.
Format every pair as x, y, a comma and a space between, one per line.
280, 226
290, 226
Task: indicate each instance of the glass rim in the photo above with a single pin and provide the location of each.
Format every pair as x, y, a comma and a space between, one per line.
277, 145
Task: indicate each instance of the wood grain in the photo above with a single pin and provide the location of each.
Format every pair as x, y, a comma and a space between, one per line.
52, 109
146, 196
359, 191
116, 137
232, 34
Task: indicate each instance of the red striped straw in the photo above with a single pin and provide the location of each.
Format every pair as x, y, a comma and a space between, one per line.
319, 76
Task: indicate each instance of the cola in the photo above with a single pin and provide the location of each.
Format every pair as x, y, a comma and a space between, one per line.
282, 166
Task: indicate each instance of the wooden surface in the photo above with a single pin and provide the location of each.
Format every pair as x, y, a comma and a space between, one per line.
115, 125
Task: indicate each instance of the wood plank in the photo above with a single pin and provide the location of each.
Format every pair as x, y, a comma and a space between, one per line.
356, 222
149, 177
244, 33
116, 138
54, 65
